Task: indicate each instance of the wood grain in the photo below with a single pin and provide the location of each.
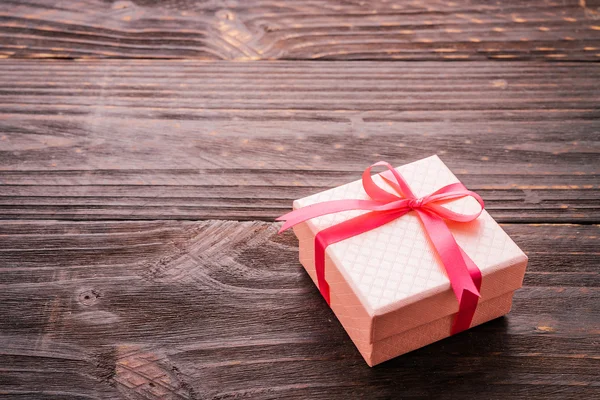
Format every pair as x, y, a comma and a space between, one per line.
302, 29
223, 309
196, 140
138, 257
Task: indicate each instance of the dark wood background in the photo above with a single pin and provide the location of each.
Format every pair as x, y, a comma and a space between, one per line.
147, 146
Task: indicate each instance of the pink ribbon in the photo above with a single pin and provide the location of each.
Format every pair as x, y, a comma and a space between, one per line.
464, 275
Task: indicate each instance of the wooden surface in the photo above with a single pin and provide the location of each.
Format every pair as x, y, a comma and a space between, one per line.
138, 254
302, 29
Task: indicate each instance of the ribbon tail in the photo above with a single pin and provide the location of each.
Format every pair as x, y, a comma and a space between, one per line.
468, 305
328, 207
344, 230
465, 277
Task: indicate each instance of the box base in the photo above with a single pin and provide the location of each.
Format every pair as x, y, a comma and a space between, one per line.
393, 346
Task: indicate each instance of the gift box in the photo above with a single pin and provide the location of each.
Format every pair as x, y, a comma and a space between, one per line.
394, 286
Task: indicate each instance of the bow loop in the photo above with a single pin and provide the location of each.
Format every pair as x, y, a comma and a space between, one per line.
452, 192
377, 193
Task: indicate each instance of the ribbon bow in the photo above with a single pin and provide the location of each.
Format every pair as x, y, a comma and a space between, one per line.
384, 207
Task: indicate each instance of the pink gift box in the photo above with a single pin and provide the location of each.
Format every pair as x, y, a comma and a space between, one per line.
388, 287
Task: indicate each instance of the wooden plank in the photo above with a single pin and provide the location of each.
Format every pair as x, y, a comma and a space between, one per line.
194, 140
222, 309
301, 29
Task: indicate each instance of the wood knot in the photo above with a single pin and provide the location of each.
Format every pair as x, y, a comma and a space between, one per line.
88, 297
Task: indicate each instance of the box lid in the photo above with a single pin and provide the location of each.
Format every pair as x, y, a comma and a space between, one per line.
395, 272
